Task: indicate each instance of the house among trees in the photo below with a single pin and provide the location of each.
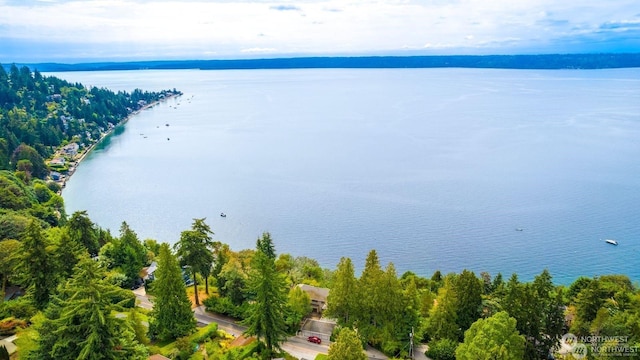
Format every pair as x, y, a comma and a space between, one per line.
318, 297
71, 149
57, 162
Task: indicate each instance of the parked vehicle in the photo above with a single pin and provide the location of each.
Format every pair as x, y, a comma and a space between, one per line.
314, 339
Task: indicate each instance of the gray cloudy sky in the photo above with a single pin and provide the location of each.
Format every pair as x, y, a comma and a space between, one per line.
91, 30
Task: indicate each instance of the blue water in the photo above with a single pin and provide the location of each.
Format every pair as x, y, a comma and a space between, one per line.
433, 168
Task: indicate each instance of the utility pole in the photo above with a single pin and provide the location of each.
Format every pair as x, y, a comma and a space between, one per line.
411, 343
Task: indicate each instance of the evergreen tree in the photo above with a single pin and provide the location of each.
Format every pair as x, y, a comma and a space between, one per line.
442, 322
265, 245
266, 313
9, 249
195, 250
469, 298
342, 299
66, 252
82, 230
371, 299
347, 346
80, 323
171, 316
129, 254
4, 353
36, 265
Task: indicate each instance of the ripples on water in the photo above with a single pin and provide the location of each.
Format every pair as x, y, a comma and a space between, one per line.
433, 168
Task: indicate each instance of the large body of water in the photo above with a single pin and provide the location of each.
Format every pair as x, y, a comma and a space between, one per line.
433, 168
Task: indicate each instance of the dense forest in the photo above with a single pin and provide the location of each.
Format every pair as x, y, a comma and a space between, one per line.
39, 113
66, 282
543, 61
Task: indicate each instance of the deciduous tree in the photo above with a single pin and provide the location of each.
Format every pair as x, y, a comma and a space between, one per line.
494, 338
347, 346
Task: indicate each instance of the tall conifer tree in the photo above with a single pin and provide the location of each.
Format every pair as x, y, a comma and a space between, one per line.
80, 323
172, 315
267, 312
36, 265
342, 299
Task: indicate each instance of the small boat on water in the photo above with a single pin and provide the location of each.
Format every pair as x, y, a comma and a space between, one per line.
519, 229
612, 242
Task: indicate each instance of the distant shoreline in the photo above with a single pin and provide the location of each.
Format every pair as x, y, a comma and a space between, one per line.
85, 153
540, 62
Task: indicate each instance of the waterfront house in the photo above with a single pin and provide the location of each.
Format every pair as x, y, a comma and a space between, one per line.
71, 149
59, 161
318, 297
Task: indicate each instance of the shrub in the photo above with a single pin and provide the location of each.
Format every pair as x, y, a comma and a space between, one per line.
444, 349
223, 305
20, 308
208, 332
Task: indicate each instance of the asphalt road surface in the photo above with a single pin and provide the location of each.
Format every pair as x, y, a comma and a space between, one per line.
295, 345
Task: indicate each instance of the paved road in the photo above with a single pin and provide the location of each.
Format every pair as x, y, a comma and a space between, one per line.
296, 346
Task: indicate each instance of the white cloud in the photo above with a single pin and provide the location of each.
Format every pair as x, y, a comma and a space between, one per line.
259, 50
202, 28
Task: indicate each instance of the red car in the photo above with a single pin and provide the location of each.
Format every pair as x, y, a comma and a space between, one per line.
314, 339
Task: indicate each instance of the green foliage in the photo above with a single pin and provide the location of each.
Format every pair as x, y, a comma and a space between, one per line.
13, 225
341, 302
444, 349
83, 230
66, 252
232, 282
36, 265
26, 154
195, 250
494, 338
21, 308
9, 249
299, 306
347, 346
45, 112
442, 322
265, 317
134, 321
172, 315
225, 306
80, 322
265, 246
126, 254
14, 193
206, 333
184, 348
469, 291
4, 354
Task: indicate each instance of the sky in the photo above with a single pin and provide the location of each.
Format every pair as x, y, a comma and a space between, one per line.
75, 31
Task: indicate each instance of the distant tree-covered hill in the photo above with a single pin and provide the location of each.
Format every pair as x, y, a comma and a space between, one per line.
39, 113
546, 61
